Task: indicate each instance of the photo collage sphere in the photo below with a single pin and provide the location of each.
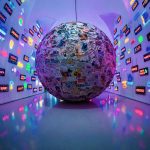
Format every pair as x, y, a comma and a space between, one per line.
75, 61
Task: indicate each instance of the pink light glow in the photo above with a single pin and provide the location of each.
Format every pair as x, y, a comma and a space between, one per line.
18, 51
103, 102
5, 117
4, 53
139, 129
139, 112
23, 117
131, 127
118, 109
21, 108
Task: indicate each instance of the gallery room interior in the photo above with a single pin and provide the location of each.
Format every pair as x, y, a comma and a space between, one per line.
74, 74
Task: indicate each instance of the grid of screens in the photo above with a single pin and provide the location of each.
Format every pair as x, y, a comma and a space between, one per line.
132, 44
19, 40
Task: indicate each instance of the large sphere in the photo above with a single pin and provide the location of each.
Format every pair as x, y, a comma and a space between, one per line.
75, 61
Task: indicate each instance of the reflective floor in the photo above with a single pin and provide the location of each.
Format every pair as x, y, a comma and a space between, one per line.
109, 122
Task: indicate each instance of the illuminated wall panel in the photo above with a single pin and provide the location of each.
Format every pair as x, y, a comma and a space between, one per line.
133, 53
19, 38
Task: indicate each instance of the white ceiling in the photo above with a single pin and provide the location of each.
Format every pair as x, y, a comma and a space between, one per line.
97, 12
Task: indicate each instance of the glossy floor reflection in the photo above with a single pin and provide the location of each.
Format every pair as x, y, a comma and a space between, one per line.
109, 122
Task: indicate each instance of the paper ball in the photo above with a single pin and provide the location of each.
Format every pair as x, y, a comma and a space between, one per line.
75, 61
